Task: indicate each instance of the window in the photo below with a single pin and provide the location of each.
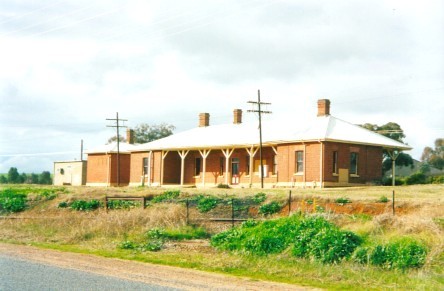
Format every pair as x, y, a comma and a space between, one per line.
299, 167
354, 163
221, 166
247, 165
197, 167
145, 166
275, 165
335, 162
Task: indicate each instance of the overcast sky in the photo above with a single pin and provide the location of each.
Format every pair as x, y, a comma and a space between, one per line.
66, 66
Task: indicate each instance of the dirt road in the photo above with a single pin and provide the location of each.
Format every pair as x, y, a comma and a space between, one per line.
167, 276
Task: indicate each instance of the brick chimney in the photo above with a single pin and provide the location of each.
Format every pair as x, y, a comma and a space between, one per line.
323, 107
237, 116
204, 119
130, 136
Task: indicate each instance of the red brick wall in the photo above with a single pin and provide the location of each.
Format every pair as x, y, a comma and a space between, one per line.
287, 162
125, 165
369, 162
137, 166
97, 168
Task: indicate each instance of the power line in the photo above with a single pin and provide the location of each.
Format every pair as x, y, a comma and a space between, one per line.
260, 112
12, 18
117, 126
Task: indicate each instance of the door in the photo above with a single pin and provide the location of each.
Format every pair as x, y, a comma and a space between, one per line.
235, 171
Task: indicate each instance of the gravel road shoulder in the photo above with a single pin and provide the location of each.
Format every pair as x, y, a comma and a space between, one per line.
167, 276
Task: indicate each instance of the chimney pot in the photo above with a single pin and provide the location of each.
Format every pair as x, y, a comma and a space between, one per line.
204, 119
237, 116
323, 107
130, 136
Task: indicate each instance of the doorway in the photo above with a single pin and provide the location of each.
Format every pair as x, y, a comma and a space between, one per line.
235, 171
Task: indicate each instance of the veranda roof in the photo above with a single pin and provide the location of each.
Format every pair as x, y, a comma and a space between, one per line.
245, 135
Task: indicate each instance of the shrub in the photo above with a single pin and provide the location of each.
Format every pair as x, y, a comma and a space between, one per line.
401, 254
383, 199
387, 181
122, 204
48, 194
310, 237
63, 204
416, 178
223, 186
259, 198
82, 205
205, 204
269, 208
11, 201
342, 201
436, 179
152, 246
167, 195
127, 245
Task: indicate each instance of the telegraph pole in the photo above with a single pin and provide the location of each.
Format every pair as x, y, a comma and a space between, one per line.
117, 126
260, 112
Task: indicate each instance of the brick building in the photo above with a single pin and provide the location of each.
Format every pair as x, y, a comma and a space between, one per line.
322, 152
104, 162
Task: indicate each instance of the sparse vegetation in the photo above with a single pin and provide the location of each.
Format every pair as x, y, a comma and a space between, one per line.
270, 208
166, 196
206, 203
84, 205
416, 230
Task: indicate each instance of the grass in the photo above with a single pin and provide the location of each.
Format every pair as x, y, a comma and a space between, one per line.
99, 233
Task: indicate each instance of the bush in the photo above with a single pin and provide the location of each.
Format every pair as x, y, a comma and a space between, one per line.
82, 205
401, 254
223, 186
11, 201
270, 208
310, 237
342, 201
259, 198
127, 245
63, 204
416, 178
387, 181
205, 204
436, 179
122, 204
383, 199
167, 195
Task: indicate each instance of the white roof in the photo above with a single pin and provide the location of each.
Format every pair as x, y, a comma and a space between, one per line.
124, 148
323, 128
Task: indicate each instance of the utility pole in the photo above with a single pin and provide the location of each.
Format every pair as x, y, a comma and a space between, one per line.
260, 112
117, 126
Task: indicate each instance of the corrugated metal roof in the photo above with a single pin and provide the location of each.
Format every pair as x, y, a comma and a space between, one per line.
323, 128
124, 148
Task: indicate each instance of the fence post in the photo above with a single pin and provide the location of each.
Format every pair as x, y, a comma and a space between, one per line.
144, 202
232, 212
393, 201
289, 203
188, 211
106, 203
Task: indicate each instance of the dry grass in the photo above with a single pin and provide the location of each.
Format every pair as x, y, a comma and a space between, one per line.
419, 210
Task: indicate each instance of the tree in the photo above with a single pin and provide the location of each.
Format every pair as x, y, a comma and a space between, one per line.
114, 139
434, 157
3, 179
13, 176
394, 131
45, 178
144, 133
